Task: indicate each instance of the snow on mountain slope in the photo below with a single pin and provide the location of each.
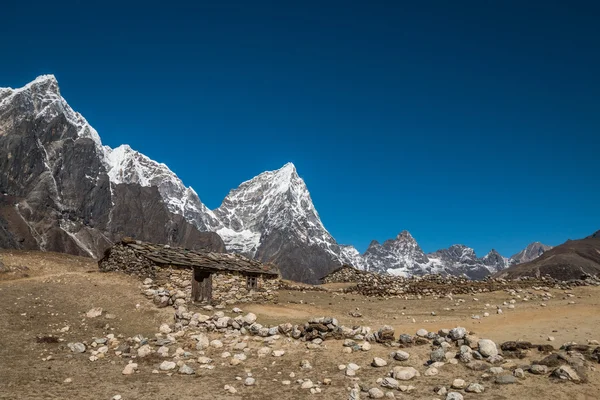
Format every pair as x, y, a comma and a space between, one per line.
42, 98
126, 165
350, 256
399, 256
495, 261
403, 256
267, 216
272, 201
53, 168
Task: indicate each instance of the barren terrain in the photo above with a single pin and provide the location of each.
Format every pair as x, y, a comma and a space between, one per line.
55, 291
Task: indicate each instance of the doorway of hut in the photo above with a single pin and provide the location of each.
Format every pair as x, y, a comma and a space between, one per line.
201, 286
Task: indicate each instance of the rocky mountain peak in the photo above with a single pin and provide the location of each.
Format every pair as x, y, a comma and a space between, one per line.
405, 235
56, 173
530, 253
44, 84
96, 193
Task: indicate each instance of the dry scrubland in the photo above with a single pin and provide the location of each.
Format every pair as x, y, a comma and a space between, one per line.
55, 292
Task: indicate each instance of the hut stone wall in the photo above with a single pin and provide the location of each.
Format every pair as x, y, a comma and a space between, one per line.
169, 285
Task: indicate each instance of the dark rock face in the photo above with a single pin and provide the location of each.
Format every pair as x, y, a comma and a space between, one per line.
288, 256
140, 213
56, 193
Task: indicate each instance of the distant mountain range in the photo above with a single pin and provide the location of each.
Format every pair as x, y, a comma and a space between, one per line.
573, 259
62, 190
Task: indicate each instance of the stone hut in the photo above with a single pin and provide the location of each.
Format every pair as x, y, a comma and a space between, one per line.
179, 276
345, 273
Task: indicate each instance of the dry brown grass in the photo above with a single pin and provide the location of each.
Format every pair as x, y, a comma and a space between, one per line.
61, 289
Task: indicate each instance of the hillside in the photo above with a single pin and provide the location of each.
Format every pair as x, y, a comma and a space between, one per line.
570, 260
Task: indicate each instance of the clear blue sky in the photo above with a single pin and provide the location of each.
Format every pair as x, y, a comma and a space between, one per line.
474, 122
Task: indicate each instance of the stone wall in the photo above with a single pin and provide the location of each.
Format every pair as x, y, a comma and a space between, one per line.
170, 285
343, 275
231, 287
124, 259
173, 286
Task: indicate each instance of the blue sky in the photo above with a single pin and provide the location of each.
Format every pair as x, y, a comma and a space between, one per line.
474, 122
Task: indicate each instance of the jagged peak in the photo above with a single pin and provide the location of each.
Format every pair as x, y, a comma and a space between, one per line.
404, 235
288, 167
43, 83
493, 253
46, 78
459, 246
374, 243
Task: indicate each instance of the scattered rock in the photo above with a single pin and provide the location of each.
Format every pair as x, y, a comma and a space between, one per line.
307, 384
401, 355
538, 369
438, 355
487, 348
379, 362
186, 370
94, 312
519, 373
458, 384
130, 369
144, 351
475, 388
404, 373
566, 372
165, 328
230, 389
167, 366
77, 347
389, 383
457, 333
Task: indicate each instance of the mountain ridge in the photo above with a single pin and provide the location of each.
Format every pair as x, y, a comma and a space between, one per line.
573, 259
78, 193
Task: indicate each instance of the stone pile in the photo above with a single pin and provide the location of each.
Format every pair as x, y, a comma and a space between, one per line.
288, 285
343, 274
381, 285
315, 330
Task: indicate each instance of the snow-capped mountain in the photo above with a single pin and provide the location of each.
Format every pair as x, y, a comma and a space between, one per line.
495, 261
399, 256
271, 217
529, 253
64, 191
403, 256
125, 165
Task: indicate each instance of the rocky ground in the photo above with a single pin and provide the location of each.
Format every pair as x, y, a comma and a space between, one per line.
68, 331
